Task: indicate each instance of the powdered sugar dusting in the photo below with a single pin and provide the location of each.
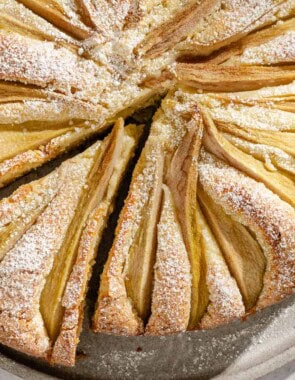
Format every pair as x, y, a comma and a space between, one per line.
172, 279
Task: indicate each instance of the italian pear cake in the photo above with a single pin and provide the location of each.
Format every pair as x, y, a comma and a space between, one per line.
206, 234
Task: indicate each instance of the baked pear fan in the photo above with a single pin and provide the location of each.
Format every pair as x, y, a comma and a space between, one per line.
50, 230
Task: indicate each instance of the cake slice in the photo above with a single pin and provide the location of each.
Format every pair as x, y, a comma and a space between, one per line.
269, 218
125, 293
56, 245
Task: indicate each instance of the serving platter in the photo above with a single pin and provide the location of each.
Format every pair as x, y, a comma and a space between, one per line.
244, 349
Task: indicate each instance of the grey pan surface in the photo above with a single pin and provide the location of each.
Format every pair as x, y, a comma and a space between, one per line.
245, 349
242, 350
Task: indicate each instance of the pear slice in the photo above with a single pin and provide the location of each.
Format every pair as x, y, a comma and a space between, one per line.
20, 211
225, 299
273, 158
55, 12
271, 219
16, 17
252, 110
30, 260
180, 294
232, 78
269, 46
15, 140
24, 161
217, 144
35, 129
282, 140
242, 253
181, 179
171, 302
138, 272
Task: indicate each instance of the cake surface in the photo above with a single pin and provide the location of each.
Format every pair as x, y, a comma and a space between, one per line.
206, 233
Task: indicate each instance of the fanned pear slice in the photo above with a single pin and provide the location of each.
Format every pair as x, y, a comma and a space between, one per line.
22, 208
271, 220
36, 127
48, 65
181, 179
126, 283
281, 140
270, 46
171, 301
232, 78
241, 251
113, 168
25, 267
230, 20
221, 147
15, 140
261, 110
22, 158
62, 14
225, 299
49, 248
16, 17
273, 158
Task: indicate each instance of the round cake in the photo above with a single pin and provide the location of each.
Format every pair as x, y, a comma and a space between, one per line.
187, 105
